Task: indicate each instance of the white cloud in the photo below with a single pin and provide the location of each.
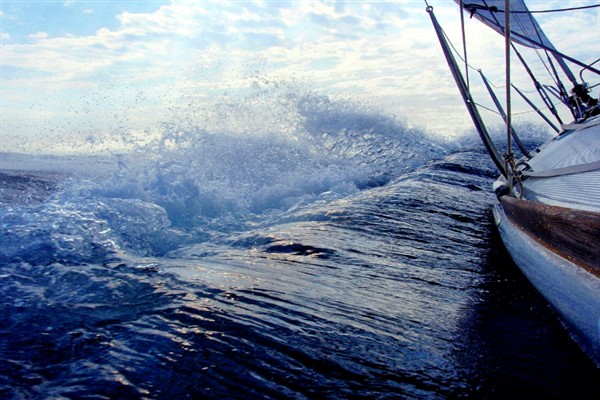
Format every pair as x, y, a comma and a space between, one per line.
38, 35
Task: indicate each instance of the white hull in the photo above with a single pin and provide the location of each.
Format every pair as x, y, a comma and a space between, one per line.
572, 290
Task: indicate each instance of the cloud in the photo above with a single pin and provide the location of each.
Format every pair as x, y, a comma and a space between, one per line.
38, 35
196, 50
188, 52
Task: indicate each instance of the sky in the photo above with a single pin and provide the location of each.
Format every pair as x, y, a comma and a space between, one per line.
103, 75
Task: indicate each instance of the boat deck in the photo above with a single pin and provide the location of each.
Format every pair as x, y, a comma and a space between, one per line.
573, 149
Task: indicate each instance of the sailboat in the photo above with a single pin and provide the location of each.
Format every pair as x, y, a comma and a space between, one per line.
548, 201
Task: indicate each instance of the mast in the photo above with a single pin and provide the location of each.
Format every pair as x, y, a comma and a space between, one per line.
509, 156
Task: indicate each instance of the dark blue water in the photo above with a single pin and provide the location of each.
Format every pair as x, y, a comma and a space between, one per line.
354, 258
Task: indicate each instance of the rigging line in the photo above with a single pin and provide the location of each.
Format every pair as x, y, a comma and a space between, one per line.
487, 108
456, 51
549, 11
547, 102
464, 40
496, 86
526, 91
528, 112
552, 75
514, 113
504, 115
583, 69
538, 86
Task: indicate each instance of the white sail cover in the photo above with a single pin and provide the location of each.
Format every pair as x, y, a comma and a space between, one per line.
524, 28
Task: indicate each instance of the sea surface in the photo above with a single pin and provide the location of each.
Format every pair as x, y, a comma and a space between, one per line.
352, 258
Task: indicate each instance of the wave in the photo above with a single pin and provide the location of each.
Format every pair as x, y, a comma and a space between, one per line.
337, 149
193, 184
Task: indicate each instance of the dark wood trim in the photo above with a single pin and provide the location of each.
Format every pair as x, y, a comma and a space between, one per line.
572, 234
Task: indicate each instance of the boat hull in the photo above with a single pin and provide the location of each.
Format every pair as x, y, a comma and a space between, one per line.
568, 285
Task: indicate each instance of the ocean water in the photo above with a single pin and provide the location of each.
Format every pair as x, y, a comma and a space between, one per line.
351, 257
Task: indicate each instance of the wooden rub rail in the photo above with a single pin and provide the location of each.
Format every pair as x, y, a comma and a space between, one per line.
572, 234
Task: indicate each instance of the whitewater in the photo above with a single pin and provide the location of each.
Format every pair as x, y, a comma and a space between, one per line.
348, 257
